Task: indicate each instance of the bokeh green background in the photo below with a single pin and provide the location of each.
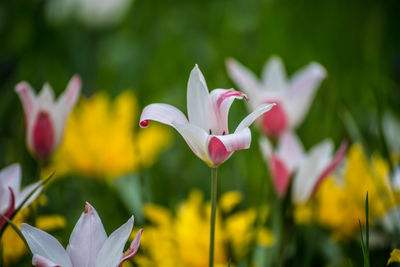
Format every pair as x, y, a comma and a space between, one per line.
152, 52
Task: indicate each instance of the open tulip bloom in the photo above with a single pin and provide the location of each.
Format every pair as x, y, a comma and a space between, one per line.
292, 97
88, 244
11, 197
310, 168
206, 131
45, 118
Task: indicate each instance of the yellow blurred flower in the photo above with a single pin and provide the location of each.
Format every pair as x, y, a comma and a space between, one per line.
13, 247
394, 256
100, 139
183, 239
340, 201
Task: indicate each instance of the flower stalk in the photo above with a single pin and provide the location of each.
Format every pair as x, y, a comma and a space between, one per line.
214, 183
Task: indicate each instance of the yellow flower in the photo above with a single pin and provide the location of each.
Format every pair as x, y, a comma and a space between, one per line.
394, 256
340, 201
100, 139
13, 247
183, 239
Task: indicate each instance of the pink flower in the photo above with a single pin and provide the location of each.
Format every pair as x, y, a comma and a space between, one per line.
88, 244
206, 132
293, 97
11, 196
310, 168
45, 118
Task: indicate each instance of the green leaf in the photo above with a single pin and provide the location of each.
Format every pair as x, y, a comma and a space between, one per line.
16, 229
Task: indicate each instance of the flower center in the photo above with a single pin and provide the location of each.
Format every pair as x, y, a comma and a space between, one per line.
274, 122
43, 135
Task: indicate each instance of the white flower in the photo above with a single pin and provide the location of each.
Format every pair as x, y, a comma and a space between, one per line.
206, 132
310, 168
292, 97
45, 118
88, 244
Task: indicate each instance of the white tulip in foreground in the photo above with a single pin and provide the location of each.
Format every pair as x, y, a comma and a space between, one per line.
11, 197
88, 244
310, 168
293, 97
45, 118
206, 132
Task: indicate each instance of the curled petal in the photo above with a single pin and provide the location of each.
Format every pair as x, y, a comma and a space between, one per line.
196, 138
222, 100
247, 121
303, 86
163, 113
198, 100
236, 141
111, 253
87, 238
133, 248
45, 245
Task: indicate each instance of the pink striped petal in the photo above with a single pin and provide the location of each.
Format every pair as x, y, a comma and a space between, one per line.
275, 122
221, 100
40, 261
217, 151
280, 175
163, 113
249, 119
87, 238
43, 135
10, 210
133, 248
332, 166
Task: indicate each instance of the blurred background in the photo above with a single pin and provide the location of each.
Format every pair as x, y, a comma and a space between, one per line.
133, 53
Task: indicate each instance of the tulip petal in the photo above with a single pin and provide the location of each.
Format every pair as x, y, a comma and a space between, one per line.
280, 175
87, 238
40, 261
249, 119
27, 96
274, 75
217, 152
221, 101
111, 253
266, 148
68, 99
26, 192
133, 248
10, 210
332, 165
245, 79
236, 141
290, 150
309, 171
303, 87
196, 138
45, 245
46, 96
198, 100
163, 113
10, 177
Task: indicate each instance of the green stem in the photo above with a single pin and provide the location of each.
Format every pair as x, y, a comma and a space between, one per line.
213, 213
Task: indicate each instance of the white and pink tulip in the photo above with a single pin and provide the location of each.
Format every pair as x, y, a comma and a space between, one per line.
45, 118
11, 196
307, 169
293, 97
88, 244
206, 129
